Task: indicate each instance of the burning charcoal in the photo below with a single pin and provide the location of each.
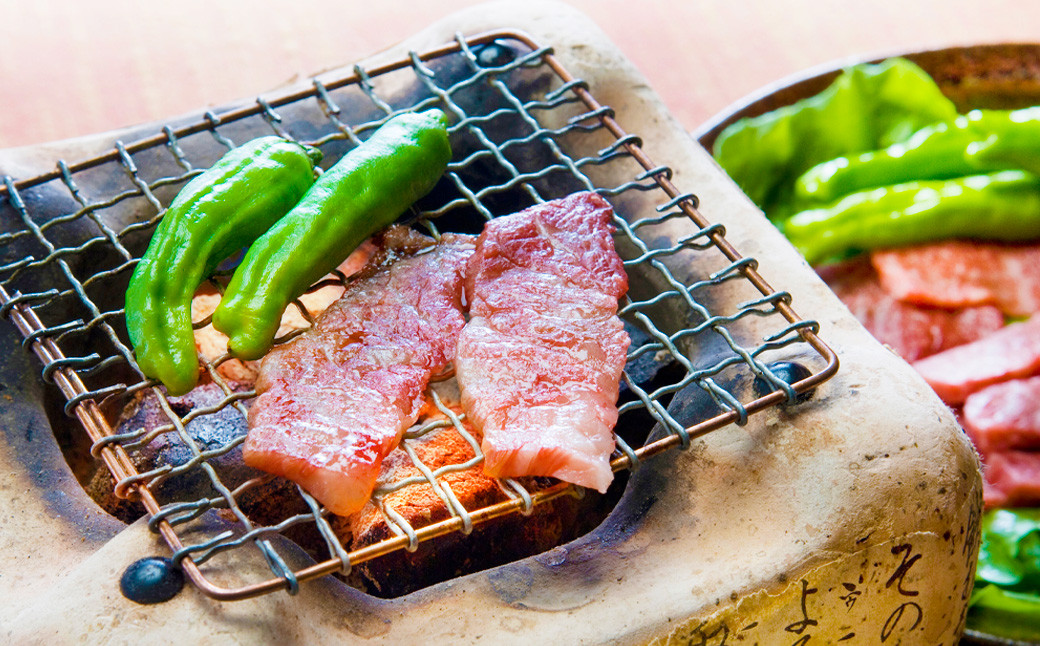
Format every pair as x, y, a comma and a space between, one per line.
210, 432
491, 543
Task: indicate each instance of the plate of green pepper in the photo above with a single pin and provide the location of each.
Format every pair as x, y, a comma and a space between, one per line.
901, 150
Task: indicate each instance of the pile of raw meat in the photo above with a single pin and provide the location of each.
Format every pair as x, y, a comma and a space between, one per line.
967, 317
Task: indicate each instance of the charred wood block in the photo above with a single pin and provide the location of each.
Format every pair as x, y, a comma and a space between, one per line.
219, 430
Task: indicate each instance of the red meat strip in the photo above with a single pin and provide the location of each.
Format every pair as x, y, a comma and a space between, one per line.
1004, 416
1012, 352
335, 400
1012, 479
913, 332
540, 360
960, 273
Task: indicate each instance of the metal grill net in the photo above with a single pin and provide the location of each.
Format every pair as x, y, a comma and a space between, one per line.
522, 135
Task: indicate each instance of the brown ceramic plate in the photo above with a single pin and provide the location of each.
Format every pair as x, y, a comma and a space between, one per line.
978, 76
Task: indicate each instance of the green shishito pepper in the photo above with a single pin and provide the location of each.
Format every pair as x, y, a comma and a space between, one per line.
221, 210
999, 206
369, 188
1020, 149
981, 141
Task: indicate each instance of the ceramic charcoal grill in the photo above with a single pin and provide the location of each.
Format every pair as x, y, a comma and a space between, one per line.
524, 130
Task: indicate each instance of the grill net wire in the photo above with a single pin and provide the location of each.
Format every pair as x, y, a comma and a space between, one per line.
522, 134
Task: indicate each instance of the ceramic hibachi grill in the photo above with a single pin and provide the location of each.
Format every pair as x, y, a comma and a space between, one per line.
715, 350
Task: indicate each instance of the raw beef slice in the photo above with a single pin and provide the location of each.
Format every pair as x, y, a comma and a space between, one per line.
540, 360
913, 332
335, 400
962, 273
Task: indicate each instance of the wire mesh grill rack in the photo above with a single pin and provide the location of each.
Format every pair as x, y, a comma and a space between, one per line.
704, 323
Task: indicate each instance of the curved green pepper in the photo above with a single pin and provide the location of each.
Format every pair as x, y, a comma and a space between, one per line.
981, 141
365, 191
218, 212
1001, 206
1019, 149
